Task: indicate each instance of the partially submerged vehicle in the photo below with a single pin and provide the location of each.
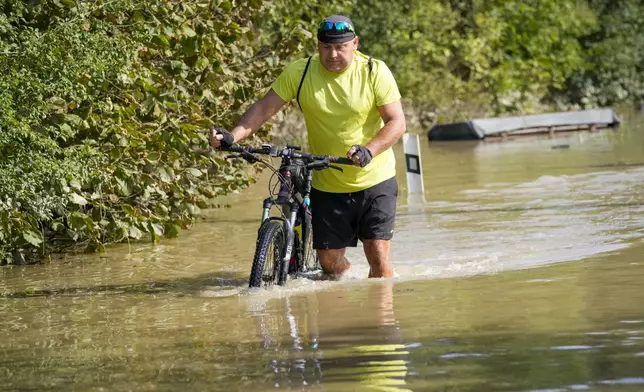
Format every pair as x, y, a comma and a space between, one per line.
549, 123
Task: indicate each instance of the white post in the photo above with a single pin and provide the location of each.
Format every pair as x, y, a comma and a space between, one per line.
415, 186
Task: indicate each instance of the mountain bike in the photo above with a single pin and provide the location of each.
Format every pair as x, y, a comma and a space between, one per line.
285, 243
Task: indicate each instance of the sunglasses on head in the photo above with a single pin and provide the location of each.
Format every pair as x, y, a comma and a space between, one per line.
340, 27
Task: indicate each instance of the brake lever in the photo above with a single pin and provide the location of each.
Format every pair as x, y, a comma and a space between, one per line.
316, 166
336, 168
247, 156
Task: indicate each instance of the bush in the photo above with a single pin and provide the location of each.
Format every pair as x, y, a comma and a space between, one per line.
103, 112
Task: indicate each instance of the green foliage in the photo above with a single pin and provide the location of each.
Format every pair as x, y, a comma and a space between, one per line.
615, 56
289, 27
420, 42
496, 56
537, 49
103, 109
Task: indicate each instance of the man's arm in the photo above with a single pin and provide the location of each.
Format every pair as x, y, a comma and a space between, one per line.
259, 112
395, 126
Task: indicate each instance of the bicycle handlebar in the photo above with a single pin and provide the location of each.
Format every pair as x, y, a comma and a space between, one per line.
289, 151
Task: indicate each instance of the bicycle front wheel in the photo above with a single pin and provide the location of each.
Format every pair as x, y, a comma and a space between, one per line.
269, 251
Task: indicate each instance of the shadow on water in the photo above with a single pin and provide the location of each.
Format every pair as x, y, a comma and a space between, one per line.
619, 164
179, 287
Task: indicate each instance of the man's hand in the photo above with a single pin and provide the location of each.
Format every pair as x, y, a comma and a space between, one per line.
220, 137
360, 155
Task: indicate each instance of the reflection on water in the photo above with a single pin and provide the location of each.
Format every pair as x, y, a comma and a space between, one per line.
522, 272
331, 345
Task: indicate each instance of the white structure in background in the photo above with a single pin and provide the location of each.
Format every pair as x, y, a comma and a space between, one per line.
415, 186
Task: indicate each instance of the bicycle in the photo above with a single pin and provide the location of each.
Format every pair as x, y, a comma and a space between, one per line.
285, 243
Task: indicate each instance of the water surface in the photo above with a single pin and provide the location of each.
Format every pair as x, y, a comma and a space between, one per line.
521, 272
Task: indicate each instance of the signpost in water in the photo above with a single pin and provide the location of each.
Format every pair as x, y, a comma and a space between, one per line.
413, 163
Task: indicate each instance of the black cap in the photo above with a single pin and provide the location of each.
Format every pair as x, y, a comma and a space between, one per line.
333, 36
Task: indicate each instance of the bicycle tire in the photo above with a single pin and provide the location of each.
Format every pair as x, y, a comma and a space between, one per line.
269, 251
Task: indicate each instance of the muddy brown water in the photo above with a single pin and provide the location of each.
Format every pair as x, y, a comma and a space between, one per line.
522, 272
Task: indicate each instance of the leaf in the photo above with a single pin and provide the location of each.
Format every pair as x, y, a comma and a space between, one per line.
127, 209
156, 110
78, 199
188, 31
134, 232
157, 228
32, 237
75, 185
202, 63
207, 95
194, 172
163, 40
226, 6
153, 156
193, 209
74, 119
57, 104
165, 174
79, 221
307, 34
156, 231
172, 230
66, 129
63, 185
122, 186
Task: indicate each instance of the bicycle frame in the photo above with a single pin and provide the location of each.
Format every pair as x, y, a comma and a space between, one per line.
292, 202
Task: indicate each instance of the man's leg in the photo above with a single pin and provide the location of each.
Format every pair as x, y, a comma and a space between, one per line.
378, 256
333, 261
377, 227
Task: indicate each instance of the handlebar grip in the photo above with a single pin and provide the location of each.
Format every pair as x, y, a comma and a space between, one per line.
341, 160
235, 148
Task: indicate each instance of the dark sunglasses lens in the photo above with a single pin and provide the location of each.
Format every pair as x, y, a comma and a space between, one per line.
343, 27
326, 26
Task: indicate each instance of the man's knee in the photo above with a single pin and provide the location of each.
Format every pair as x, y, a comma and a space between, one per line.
330, 254
333, 261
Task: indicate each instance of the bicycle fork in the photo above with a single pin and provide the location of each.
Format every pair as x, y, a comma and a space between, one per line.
290, 238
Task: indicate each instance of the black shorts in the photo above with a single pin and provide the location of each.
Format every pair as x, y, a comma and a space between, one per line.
340, 219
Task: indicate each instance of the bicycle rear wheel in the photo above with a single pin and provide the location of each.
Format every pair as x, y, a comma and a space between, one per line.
269, 251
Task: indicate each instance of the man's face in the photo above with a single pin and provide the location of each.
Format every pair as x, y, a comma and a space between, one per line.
337, 57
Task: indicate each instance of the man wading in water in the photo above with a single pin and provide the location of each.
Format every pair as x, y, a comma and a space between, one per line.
351, 107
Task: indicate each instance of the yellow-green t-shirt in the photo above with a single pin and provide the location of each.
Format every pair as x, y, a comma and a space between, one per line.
340, 110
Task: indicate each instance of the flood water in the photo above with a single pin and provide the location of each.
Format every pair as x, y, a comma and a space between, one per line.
522, 271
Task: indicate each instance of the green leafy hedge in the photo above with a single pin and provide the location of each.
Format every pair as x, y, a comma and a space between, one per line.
474, 57
104, 107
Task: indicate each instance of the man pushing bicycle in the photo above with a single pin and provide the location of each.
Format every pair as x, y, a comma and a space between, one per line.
351, 106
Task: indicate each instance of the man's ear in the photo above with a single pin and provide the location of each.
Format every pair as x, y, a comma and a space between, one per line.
355, 43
